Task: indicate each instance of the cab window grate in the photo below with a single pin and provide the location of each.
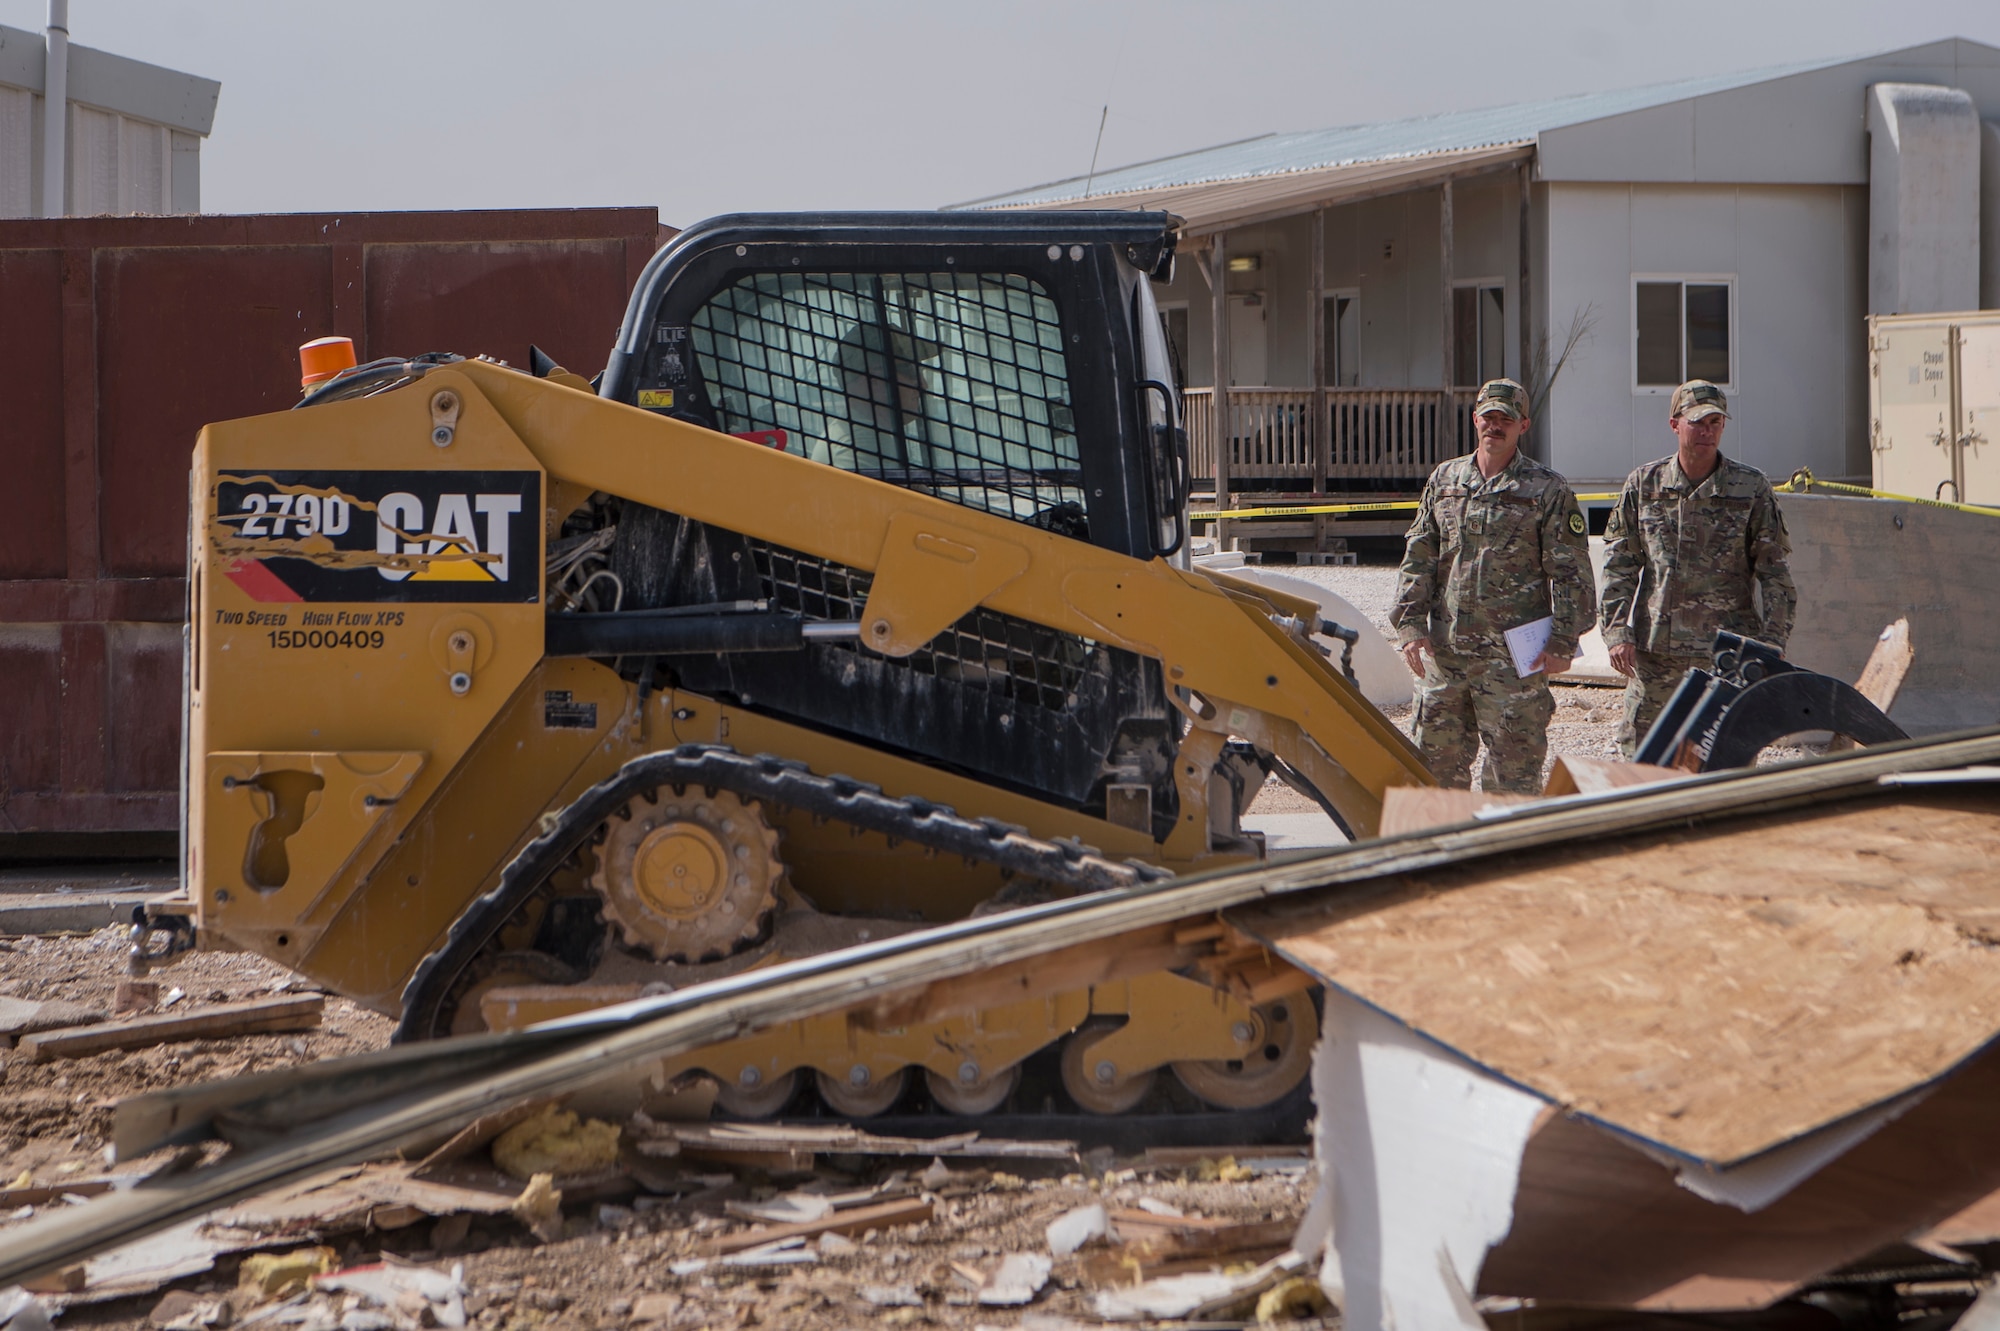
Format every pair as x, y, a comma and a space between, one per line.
951, 384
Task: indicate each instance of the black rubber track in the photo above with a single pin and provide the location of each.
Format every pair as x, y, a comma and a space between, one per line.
779, 781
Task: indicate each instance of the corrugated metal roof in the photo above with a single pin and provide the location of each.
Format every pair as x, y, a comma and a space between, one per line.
1204, 209
1318, 150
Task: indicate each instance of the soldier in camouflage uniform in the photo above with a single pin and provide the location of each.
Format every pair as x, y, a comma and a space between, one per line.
1692, 534
1498, 542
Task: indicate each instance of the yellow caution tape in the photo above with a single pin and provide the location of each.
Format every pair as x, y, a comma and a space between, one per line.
1306, 510
1804, 482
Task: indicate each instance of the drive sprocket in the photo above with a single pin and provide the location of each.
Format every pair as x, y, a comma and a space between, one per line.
688, 876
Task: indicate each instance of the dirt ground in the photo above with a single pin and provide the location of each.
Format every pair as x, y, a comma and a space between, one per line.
613, 1254
615, 1263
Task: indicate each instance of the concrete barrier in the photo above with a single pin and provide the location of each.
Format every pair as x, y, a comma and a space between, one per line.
1862, 563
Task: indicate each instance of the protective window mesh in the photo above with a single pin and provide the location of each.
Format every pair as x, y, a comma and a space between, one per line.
1021, 660
953, 384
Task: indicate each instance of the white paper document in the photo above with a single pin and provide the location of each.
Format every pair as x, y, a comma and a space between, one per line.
1526, 643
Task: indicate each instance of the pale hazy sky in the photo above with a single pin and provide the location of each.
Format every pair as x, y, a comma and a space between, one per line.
777, 104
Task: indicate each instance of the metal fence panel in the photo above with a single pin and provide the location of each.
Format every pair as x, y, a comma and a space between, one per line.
120, 337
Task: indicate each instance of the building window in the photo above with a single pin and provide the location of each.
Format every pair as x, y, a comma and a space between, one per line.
1340, 335
1479, 332
1682, 330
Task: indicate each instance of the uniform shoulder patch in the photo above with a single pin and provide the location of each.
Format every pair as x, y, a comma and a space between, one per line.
1576, 523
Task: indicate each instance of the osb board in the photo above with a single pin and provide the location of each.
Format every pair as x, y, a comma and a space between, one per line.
1414, 808
1718, 991
1596, 1222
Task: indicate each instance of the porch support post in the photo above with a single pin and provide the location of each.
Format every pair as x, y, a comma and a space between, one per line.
1524, 312
1218, 289
1319, 431
1447, 414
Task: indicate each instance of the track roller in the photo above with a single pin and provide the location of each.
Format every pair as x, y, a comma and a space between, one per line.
760, 1098
977, 1096
1099, 1085
1268, 1072
860, 1094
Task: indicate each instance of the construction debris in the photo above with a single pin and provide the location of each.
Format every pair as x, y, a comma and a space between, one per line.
1199, 1295
557, 1142
1078, 1227
267, 1275
266, 1016
418, 1295
20, 1310
539, 1207
379, 1197
1016, 1280
1754, 1003
1153, 1245
858, 1220
21, 1016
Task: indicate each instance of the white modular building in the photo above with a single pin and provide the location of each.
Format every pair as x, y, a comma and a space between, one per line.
1360, 282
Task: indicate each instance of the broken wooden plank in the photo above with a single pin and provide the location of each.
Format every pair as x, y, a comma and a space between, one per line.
1415, 808
26, 1016
483, 1130
1152, 1245
1882, 677
14, 1198
375, 1196
1187, 1236
294, 1012
911, 1211
1597, 776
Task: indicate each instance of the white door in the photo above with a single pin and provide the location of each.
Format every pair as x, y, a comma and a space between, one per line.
1979, 411
1911, 430
1249, 360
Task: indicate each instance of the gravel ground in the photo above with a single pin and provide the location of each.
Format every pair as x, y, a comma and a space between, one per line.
57, 1113
612, 1265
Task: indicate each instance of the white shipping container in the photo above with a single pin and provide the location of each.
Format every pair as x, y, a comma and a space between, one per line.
1934, 405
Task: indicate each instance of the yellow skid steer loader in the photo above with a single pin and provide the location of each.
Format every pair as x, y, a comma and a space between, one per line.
847, 602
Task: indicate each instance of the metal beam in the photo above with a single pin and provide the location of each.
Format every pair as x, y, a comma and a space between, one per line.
1218, 295
1524, 306
1319, 430
1448, 371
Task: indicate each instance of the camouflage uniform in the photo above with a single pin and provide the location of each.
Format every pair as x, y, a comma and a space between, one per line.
1680, 559
1483, 556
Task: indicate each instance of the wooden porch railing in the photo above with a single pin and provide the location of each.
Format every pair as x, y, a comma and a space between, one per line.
1374, 433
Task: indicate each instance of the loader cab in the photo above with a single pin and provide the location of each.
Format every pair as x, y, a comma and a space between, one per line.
1007, 362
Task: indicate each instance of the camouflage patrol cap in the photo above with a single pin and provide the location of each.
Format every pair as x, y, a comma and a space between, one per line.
1501, 395
1698, 398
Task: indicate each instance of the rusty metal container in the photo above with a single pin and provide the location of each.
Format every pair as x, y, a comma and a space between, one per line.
120, 337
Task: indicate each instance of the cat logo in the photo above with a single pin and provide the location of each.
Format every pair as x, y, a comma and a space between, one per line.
471, 551
379, 536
